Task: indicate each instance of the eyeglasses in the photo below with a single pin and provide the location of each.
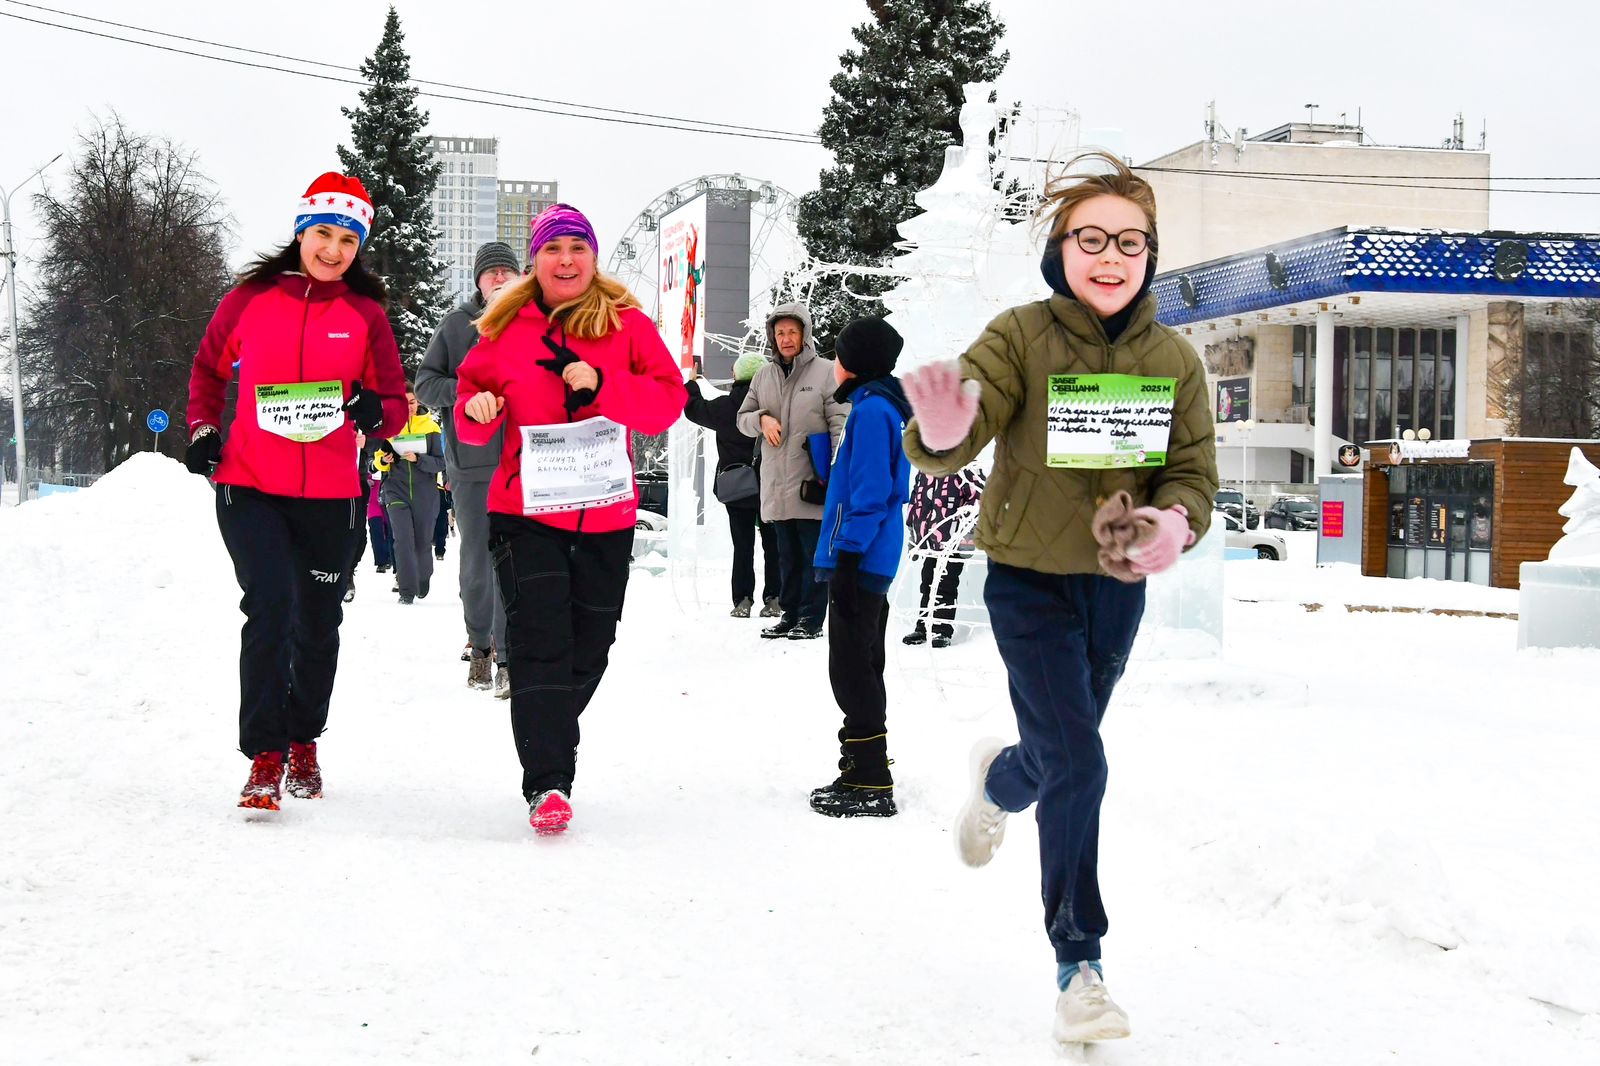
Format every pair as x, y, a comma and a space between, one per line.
1092, 239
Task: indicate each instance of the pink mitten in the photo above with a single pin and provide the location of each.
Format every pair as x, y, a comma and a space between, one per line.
944, 405
1159, 550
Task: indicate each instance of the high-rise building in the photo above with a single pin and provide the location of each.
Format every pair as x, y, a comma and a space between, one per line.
520, 202
465, 203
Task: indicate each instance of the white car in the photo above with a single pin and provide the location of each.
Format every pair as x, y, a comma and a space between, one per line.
649, 522
1266, 545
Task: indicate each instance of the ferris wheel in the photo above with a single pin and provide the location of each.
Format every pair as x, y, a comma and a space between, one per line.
775, 245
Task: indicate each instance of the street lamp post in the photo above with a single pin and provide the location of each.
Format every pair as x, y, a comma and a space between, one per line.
1244, 426
8, 251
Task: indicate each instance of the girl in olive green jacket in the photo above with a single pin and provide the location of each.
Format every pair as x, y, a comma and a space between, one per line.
1086, 397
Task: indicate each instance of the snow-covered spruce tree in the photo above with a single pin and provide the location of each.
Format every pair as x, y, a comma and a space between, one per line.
391, 157
895, 109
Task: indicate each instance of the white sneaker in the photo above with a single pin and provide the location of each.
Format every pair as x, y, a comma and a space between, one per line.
981, 826
1085, 1011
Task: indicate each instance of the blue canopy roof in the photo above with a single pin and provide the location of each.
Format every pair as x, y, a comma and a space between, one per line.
1341, 261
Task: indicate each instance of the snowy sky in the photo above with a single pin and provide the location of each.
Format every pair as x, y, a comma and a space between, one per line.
263, 135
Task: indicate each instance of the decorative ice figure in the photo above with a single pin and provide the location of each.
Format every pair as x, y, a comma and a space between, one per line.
1581, 534
967, 256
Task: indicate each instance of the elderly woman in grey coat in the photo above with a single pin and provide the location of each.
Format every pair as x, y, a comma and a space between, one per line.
789, 407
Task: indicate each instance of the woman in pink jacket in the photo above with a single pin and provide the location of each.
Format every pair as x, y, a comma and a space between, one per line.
305, 334
569, 365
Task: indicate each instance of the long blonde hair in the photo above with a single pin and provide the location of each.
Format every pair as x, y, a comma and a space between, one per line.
592, 315
1062, 194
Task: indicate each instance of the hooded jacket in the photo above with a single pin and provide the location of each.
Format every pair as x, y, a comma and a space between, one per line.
436, 387
641, 388
1036, 516
803, 403
868, 486
290, 330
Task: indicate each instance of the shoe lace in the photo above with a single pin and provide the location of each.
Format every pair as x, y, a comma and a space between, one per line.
990, 818
302, 761
265, 772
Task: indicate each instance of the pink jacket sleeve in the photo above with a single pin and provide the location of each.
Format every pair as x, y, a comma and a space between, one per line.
651, 398
213, 363
477, 373
384, 374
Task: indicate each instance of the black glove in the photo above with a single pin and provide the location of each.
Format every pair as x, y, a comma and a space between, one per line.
846, 581
205, 452
561, 358
364, 408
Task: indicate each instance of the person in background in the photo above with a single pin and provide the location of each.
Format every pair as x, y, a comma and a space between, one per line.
858, 558
720, 414
410, 465
790, 399
1063, 623
566, 345
377, 522
468, 470
936, 503
441, 524
306, 335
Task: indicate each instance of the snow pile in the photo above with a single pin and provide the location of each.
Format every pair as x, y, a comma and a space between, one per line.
1351, 838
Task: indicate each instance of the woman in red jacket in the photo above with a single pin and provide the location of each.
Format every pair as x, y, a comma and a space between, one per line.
569, 364
303, 329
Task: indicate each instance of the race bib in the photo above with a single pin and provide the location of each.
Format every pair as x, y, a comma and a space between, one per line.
573, 466
410, 443
1108, 421
302, 412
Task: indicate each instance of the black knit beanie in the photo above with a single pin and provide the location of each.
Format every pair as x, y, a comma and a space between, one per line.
868, 348
494, 254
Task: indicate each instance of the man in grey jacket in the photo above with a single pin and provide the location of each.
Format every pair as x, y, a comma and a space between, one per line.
790, 399
469, 468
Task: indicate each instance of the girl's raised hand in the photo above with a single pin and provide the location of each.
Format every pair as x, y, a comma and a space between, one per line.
945, 406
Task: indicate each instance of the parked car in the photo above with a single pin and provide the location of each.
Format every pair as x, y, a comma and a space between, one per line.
1232, 501
1292, 512
1265, 545
652, 491
649, 521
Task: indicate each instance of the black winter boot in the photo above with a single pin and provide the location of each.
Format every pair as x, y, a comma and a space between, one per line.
864, 787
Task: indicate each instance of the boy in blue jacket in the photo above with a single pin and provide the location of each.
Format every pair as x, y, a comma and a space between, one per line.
858, 553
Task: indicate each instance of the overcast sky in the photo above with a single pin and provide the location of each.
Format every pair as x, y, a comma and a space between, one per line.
1146, 70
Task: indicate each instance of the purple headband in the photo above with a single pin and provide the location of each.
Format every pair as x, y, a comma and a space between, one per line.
560, 220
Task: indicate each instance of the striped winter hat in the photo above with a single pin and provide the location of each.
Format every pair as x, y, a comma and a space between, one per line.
338, 201
560, 220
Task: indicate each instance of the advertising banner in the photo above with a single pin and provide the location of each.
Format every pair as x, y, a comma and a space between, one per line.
680, 306
1233, 400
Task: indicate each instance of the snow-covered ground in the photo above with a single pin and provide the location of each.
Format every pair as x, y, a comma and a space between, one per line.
1358, 838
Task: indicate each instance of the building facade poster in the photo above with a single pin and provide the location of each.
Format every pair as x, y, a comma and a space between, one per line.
1233, 400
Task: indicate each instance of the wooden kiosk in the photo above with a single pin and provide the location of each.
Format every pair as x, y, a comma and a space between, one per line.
1464, 510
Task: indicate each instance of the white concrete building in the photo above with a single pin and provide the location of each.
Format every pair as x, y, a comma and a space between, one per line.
465, 203
1217, 197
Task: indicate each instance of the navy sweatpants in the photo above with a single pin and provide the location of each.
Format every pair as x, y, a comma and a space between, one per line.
291, 557
1065, 641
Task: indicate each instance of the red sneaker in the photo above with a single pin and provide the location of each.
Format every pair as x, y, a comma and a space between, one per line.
549, 812
305, 776
265, 786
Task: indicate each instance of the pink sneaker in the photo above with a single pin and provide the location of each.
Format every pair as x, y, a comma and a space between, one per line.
549, 812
